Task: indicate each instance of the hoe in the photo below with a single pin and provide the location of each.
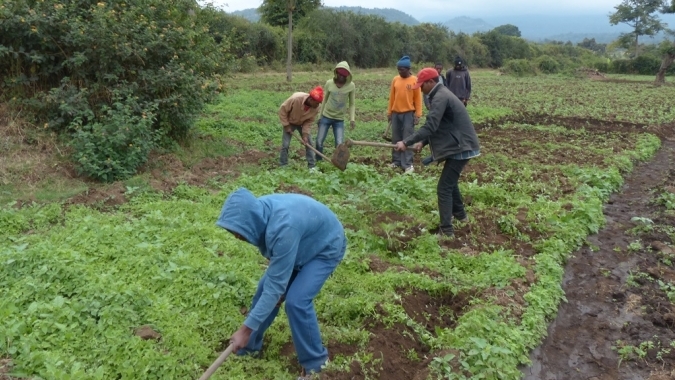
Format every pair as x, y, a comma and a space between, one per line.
341, 154
332, 160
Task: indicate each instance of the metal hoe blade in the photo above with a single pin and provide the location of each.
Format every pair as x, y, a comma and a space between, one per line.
340, 156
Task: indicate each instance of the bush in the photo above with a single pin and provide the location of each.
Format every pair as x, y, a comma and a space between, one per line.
265, 42
519, 67
503, 48
69, 60
115, 145
621, 66
547, 65
647, 64
246, 64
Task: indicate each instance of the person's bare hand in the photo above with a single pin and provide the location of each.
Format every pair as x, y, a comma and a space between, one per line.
417, 147
400, 147
352, 125
416, 120
305, 139
389, 118
288, 129
241, 337
281, 300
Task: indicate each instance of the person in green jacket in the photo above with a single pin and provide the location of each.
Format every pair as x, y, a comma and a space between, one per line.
339, 93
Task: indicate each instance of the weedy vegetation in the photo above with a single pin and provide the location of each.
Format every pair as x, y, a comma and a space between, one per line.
77, 280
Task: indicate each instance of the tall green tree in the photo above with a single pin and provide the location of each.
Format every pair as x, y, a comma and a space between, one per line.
508, 30
280, 13
641, 15
667, 49
591, 44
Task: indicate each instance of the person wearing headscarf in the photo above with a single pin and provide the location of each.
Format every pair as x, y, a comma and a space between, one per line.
339, 99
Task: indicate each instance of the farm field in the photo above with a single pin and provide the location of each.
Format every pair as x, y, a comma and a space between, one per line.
85, 266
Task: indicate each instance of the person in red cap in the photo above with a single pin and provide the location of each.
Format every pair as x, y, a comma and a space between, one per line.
298, 113
449, 132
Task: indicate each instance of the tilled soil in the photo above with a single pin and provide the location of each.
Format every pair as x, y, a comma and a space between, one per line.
603, 312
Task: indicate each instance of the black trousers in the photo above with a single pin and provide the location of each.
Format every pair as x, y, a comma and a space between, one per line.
449, 198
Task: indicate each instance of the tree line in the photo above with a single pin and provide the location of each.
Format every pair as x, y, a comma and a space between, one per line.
327, 35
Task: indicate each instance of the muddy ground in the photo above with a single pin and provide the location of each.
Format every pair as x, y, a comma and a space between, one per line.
614, 299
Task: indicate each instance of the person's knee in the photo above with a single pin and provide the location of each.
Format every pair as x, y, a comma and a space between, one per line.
443, 190
294, 304
444, 194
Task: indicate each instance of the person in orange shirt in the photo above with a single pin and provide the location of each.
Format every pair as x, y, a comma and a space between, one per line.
404, 112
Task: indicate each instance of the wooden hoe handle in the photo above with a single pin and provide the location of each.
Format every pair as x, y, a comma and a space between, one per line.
368, 143
310, 147
217, 363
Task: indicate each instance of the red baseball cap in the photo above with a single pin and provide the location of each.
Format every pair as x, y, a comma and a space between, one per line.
317, 94
425, 75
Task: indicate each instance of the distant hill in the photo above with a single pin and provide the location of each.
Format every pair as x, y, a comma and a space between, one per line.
601, 38
389, 14
468, 25
251, 14
540, 27
536, 28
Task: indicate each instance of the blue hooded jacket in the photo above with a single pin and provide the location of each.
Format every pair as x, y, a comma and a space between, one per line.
289, 230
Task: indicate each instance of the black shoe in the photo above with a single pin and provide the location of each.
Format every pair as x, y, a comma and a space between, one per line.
461, 218
445, 234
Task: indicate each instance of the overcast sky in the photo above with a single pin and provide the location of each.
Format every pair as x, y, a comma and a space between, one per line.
454, 8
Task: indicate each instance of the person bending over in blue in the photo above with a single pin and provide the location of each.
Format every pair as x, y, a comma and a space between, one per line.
304, 242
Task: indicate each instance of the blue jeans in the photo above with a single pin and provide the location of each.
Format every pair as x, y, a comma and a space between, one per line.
303, 287
338, 132
286, 143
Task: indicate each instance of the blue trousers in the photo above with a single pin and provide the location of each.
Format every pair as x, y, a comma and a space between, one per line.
303, 287
338, 133
286, 143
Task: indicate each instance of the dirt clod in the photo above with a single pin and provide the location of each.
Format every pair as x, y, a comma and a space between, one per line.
661, 247
146, 332
5, 368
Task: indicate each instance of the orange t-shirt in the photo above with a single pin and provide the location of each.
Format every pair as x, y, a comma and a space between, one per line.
402, 98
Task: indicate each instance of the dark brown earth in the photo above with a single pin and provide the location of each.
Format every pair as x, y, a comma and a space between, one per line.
5, 367
603, 312
146, 332
167, 171
397, 352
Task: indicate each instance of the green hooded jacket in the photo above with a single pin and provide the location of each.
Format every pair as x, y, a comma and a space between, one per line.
335, 99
